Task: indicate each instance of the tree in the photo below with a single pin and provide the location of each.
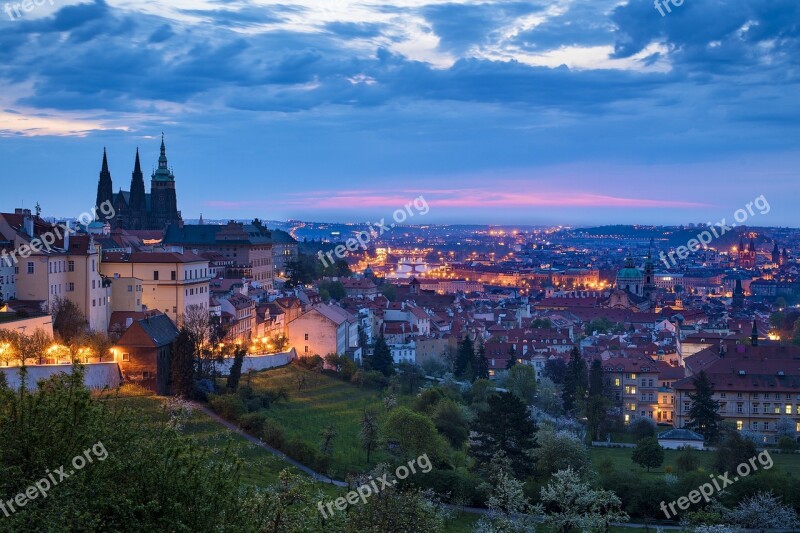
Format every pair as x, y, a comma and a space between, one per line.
381, 359
522, 383
733, 451
389, 291
368, 437
575, 382
596, 412
394, 508
414, 434
334, 289
448, 418
704, 410
512, 357
506, 426
69, 322
509, 510
301, 271
570, 503
761, 511
130, 463
559, 450
328, 434
182, 367
548, 398
596, 383
464, 359
648, 453
481, 364
556, 370
236, 368
410, 377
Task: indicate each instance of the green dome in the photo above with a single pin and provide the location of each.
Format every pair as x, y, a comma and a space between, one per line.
630, 273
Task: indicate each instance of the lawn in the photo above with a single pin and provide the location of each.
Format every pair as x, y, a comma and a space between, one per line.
621, 458
322, 401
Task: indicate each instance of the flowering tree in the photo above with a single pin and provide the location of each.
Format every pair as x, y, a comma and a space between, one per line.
763, 511
570, 503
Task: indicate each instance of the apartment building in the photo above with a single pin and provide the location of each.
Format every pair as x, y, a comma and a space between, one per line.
756, 387
633, 385
171, 282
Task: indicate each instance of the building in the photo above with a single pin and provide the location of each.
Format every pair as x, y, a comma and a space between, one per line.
249, 246
171, 281
144, 352
756, 387
630, 278
284, 251
69, 268
239, 317
675, 439
135, 209
633, 385
325, 329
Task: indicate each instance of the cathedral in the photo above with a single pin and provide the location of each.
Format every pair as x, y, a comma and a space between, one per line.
136, 209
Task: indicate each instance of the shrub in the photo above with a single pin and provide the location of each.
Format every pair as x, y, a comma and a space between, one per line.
272, 433
314, 363
246, 392
374, 380
254, 404
687, 460
228, 406
307, 454
271, 396
253, 423
787, 444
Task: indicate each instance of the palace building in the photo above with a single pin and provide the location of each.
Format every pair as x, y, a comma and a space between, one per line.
135, 209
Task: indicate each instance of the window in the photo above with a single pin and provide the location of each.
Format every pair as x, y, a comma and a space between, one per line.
306, 350
31, 267
739, 425
306, 336
739, 395
70, 287
723, 395
155, 275
130, 288
126, 357
71, 266
755, 396
788, 408
173, 275
616, 382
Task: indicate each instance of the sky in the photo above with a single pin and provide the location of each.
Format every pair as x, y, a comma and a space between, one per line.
573, 112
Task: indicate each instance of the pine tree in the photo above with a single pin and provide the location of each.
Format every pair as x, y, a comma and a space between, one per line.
704, 409
464, 357
512, 357
576, 381
596, 387
481, 363
381, 359
236, 368
506, 426
182, 371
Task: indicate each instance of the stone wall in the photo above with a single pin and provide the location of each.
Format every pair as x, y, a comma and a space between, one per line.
97, 375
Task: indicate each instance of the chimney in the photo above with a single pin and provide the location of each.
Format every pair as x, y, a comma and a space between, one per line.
27, 223
67, 226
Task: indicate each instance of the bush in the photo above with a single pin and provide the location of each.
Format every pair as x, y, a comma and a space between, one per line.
687, 460
253, 423
642, 428
272, 433
787, 444
246, 392
228, 406
307, 454
374, 380
271, 396
314, 363
254, 404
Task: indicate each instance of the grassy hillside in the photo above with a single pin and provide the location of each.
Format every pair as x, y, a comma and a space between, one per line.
322, 401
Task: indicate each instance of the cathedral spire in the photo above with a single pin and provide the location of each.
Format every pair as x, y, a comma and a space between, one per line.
105, 188
138, 201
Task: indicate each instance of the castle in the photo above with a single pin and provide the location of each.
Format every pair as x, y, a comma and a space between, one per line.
136, 209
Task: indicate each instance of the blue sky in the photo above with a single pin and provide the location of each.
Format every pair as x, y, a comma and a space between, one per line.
563, 111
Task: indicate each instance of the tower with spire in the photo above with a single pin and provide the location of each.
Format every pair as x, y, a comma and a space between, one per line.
649, 290
105, 188
136, 209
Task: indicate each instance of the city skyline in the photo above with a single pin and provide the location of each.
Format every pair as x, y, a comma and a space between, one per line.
498, 113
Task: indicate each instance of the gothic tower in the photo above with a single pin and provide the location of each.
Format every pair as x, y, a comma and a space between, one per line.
164, 200
105, 188
649, 291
